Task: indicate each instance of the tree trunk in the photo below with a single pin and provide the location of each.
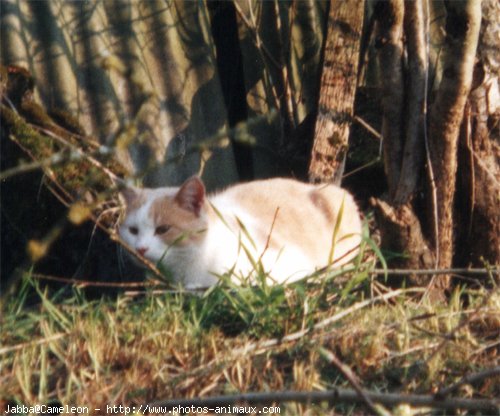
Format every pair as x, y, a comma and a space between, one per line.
399, 221
411, 164
405, 227
281, 47
479, 162
462, 27
390, 40
401, 232
338, 86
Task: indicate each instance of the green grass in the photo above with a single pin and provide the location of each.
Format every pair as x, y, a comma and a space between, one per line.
127, 350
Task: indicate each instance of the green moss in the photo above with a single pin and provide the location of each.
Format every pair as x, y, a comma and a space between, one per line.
37, 145
72, 175
67, 121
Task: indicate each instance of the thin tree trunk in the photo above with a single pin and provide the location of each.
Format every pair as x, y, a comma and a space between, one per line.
390, 39
338, 86
479, 161
462, 27
411, 166
400, 226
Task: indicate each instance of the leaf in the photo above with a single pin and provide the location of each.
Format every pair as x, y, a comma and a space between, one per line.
336, 230
37, 249
79, 213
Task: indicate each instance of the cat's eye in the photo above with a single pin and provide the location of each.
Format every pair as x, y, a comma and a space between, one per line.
162, 229
133, 230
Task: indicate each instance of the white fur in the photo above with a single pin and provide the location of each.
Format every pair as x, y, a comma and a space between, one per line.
227, 248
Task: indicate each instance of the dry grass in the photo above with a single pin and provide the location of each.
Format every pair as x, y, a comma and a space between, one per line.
132, 350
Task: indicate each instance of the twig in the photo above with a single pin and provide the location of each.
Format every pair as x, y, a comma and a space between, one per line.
102, 150
362, 167
135, 293
477, 271
255, 33
430, 168
461, 325
351, 378
472, 180
261, 47
324, 323
334, 396
146, 262
66, 202
484, 347
6, 350
85, 283
485, 168
238, 133
449, 337
53, 160
400, 354
288, 103
471, 378
368, 127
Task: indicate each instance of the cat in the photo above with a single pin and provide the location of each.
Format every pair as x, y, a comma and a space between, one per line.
281, 227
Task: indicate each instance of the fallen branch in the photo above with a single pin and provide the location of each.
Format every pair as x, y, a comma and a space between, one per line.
334, 396
484, 348
469, 379
476, 271
86, 283
351, 378
324, 323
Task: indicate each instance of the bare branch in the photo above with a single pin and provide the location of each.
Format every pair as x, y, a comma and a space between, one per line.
469, 379
464, 270
351, 377
334, 396
369, 128
87, 283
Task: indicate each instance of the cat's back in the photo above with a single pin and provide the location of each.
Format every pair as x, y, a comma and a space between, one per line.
257, 193
293, 213
263, 197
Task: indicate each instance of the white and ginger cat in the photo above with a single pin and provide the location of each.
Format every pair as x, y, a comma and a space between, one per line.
285, 227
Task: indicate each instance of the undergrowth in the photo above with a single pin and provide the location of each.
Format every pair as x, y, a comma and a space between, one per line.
64, 348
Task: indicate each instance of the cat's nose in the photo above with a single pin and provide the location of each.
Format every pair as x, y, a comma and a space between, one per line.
142, 250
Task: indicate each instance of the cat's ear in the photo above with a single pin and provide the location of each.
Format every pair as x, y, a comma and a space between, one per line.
129, 195
191, 195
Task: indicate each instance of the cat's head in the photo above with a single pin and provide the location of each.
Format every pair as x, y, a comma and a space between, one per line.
157, 219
